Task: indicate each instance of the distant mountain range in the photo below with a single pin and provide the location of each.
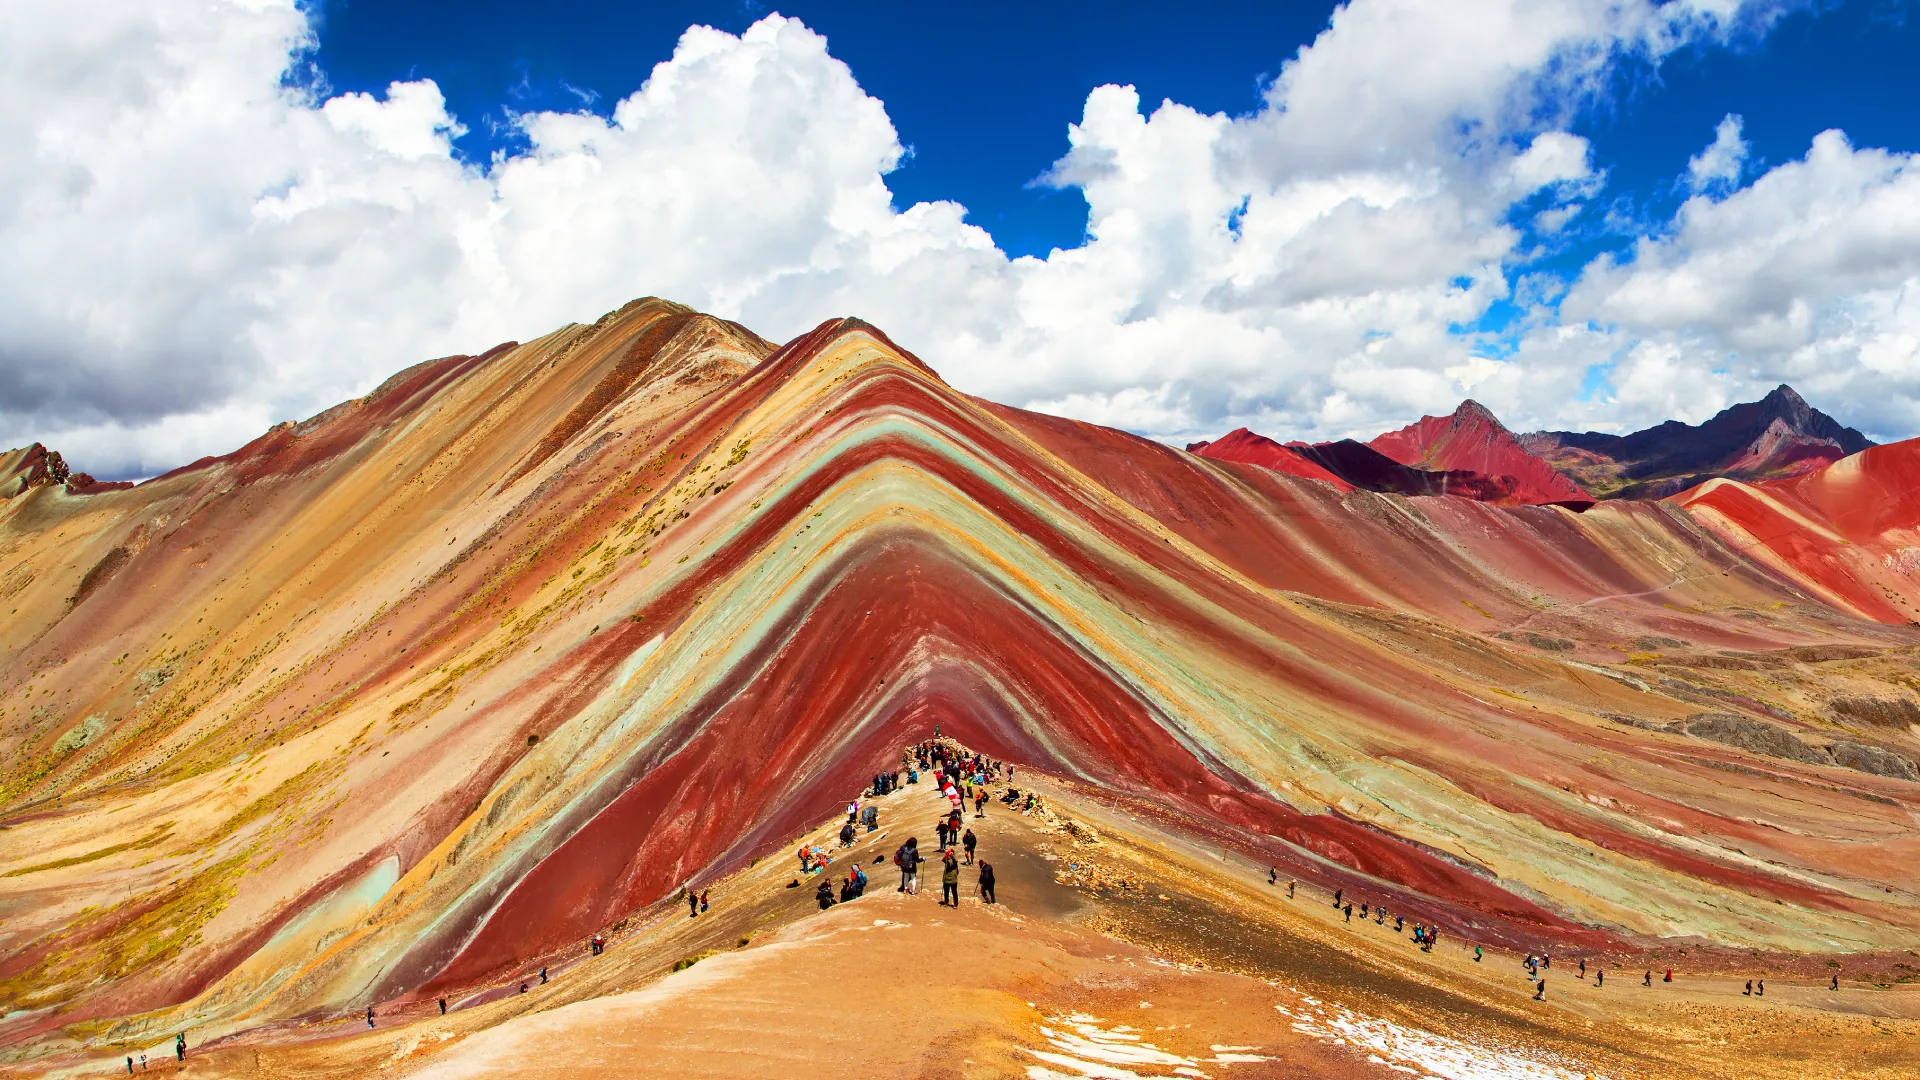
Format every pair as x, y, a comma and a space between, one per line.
1471, 453
1780, 435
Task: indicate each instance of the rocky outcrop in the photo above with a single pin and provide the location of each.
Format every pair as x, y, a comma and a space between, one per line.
29, 467
1772, 740
1753, 736
1872, 759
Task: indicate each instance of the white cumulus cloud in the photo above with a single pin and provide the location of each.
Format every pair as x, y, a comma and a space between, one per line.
1721, 161
194, 247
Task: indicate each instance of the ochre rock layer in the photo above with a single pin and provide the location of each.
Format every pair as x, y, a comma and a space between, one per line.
389, 701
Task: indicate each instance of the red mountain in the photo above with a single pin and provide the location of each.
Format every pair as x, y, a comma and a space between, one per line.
1473, 440
1250, 449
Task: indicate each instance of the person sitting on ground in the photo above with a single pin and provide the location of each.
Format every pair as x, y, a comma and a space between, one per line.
824, 894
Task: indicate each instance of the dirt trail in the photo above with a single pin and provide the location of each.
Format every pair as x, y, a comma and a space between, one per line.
1118, 949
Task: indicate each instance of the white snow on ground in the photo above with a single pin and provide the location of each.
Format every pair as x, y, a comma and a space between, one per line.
1423, 1053
1106, 1054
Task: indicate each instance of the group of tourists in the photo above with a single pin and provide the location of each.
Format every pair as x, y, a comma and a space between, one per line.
1423, 935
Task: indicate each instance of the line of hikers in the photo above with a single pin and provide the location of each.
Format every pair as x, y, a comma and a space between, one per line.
1427, 936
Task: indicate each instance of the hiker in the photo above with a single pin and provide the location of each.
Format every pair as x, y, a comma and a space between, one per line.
543, 976
180, 1046
523, 987
986, 883
1336, 896
443, 1006
1349, 911
859, 880
969, 842
369, 1016
824, 894
1835, 984
907, 858
1399, 923
1600, 978
846, 889
129, 1064
1648, 981
1748, 992
1669, 977
802, 853
846, 834
1540, 990
980, 803
1762, 990
693, 904
143, 1063
950, 879
1289, 888
1433, 937
1380, 915
1273, 875
940, 830
1583, 967
1476, 954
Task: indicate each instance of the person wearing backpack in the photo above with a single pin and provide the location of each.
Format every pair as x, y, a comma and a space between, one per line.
986, 883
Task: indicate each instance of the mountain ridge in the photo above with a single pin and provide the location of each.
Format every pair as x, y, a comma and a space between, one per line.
463, 672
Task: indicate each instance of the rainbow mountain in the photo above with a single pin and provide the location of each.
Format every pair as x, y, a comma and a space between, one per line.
387, 702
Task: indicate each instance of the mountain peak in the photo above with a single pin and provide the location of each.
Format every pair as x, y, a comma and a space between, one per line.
1471, 411
1474, 440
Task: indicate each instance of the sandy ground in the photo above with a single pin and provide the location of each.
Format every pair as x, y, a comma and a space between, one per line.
1121, 952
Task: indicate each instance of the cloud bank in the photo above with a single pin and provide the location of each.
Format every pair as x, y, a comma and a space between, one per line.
196, 244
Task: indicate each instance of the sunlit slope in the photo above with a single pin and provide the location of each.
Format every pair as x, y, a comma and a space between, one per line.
461, 673
1848, 532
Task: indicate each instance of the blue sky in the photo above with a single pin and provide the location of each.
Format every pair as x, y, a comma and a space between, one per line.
982, 93
1315, 221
